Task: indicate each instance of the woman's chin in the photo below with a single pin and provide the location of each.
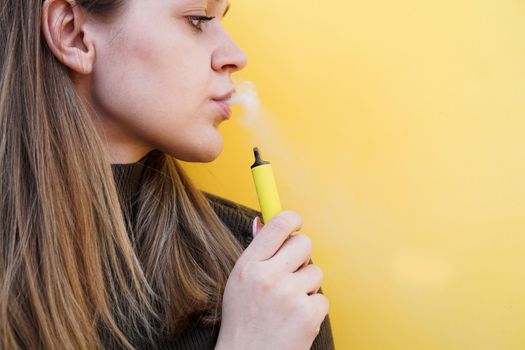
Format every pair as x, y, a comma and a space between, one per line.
206, 152
208, 155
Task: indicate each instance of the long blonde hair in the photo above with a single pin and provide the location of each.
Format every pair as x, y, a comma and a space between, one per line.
71, 275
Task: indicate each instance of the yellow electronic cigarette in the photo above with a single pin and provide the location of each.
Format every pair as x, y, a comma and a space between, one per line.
265, 186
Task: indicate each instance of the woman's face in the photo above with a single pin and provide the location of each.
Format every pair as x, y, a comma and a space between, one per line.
157, 74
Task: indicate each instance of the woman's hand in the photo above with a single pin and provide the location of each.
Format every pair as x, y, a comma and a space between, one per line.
271, 300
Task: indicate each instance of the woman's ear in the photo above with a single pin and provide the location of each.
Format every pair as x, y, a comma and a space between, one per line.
64, 28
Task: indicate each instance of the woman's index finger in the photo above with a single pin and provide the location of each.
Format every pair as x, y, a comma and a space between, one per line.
272, 236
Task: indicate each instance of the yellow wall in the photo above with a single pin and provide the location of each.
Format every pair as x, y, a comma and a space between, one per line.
397, 129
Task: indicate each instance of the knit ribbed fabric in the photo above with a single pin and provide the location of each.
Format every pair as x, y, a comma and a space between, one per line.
238, 219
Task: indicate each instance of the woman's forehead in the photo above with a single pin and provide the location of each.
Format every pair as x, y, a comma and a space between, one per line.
207, 3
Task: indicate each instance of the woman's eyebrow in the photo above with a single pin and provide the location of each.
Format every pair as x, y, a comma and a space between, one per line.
212, 5
226, 10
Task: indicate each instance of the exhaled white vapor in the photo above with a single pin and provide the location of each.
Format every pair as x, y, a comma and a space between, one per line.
246, 96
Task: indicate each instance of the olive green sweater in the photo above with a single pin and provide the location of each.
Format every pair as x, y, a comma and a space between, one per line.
239, 220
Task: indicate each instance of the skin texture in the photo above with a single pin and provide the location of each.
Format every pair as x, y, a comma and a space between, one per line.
150, 79
149, 75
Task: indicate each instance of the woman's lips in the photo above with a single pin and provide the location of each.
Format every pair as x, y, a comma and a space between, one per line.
225, 96
223, 102
224, 108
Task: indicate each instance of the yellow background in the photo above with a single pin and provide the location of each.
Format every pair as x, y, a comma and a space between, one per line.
397, 129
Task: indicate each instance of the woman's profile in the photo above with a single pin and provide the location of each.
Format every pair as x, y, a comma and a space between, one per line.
105, 242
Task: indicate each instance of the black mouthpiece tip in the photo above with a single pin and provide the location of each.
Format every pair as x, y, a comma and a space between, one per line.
258, 160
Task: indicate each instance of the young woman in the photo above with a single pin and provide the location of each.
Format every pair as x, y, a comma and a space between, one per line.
104, 241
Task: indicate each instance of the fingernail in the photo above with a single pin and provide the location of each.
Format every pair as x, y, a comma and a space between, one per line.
255, 225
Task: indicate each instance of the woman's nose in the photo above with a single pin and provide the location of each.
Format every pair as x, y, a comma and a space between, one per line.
229, 57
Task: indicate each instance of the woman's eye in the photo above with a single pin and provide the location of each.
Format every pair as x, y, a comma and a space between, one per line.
197, 21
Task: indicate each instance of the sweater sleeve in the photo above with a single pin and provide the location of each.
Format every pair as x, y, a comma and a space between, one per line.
239, 218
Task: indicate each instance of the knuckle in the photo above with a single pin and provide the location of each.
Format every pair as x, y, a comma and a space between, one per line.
315, 274
278, 223
325, 304
305, 241
286, 221
295, 219
302, 308
318, 272
265, 283
293, 216
317, 310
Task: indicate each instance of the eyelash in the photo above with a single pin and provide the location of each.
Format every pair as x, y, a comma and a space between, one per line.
200, 19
